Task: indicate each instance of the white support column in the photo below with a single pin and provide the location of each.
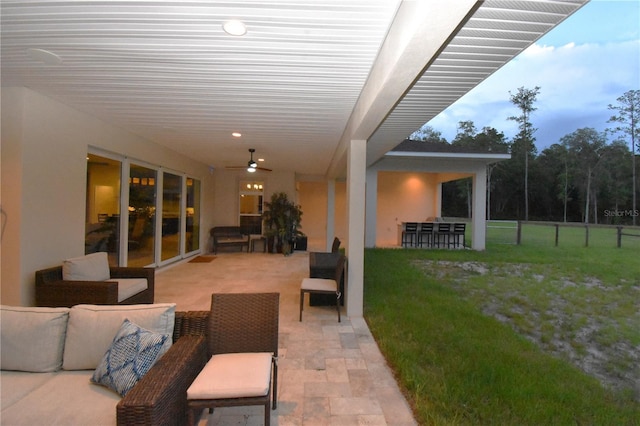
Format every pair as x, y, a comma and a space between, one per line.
356, 175
331, 213
371, 207
438, 200
479, 225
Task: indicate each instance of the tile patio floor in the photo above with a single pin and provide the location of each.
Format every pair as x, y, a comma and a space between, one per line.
330, 373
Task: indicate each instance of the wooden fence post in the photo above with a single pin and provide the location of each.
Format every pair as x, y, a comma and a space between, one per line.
619, 236
519, 233
586, 235
557, 231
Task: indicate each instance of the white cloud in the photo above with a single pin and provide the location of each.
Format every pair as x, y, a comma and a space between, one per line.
577, 83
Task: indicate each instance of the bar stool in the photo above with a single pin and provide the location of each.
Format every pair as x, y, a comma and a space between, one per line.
425, 234
410, 234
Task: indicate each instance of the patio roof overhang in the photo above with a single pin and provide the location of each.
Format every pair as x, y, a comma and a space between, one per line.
438, 162
308, 78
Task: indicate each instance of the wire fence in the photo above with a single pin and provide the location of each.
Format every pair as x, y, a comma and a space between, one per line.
502, 231
559, 234
569, 234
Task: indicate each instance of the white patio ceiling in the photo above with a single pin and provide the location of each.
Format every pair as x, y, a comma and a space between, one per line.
165, 70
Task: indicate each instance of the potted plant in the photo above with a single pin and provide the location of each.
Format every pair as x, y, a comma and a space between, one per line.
282, 220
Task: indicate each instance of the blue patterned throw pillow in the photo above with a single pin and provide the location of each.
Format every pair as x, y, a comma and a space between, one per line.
131, 355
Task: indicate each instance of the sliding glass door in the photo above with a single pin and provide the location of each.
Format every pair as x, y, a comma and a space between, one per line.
192, 234
102, 224
161, 219
142, 215
171, 216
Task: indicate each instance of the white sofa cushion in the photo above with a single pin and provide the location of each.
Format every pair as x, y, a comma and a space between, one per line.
32, 338
66, 398
128, 287
92, 267
233, 375
131, 355
18, 384
92, 327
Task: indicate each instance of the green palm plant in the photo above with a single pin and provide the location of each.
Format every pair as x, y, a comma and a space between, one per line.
282, 219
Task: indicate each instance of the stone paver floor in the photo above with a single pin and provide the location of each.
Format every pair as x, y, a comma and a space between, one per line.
330, 373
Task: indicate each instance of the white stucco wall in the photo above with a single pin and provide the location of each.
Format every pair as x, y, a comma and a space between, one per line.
44, 148
402, 197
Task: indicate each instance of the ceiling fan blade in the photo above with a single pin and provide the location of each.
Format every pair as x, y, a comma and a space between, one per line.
264, 169
251, 151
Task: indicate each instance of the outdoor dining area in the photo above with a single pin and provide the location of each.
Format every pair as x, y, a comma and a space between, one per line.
433, 234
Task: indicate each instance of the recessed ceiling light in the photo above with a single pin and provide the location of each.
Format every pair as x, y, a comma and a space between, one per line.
44, 56
236, 134
234, 27
260, 159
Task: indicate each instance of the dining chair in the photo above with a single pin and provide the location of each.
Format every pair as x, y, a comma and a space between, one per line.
324, 285
243, 344
335, 246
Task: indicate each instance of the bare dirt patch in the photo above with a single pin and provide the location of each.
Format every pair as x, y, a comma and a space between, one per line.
593, 325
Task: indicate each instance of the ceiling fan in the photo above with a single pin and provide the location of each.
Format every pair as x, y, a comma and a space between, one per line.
251, 166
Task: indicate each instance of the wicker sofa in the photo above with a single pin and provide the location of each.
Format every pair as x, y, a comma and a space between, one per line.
98, 283
66, 396
228, 236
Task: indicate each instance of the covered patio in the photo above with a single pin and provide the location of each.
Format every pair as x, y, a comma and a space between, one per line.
329, 373
407, 182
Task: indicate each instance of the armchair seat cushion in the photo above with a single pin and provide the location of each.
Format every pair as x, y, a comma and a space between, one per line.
233, 375
319, 284
128, 287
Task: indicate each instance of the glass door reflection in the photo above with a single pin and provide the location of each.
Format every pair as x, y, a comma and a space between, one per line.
192, 235
142, 214
171, 190
102, 225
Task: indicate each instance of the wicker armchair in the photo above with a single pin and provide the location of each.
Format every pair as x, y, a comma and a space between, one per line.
52, 290
242, 334
160, 397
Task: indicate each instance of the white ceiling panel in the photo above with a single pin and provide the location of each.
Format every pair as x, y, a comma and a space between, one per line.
165, 69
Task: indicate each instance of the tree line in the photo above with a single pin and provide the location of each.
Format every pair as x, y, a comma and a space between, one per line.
587, 176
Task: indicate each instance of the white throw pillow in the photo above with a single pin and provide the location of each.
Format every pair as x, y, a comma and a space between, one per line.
92, 267
92, 327
32, 338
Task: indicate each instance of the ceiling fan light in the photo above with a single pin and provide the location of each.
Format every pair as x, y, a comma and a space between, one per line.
251, 169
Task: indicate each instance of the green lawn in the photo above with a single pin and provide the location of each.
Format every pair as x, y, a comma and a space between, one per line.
494, 337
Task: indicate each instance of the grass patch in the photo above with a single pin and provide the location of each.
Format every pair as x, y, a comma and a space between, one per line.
461, 364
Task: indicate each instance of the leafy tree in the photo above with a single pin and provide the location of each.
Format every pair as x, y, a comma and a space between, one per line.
555, 180
466, 132
628, 115
465, 137
585, 147
524, 100
489, 139
427, 134
615, 176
